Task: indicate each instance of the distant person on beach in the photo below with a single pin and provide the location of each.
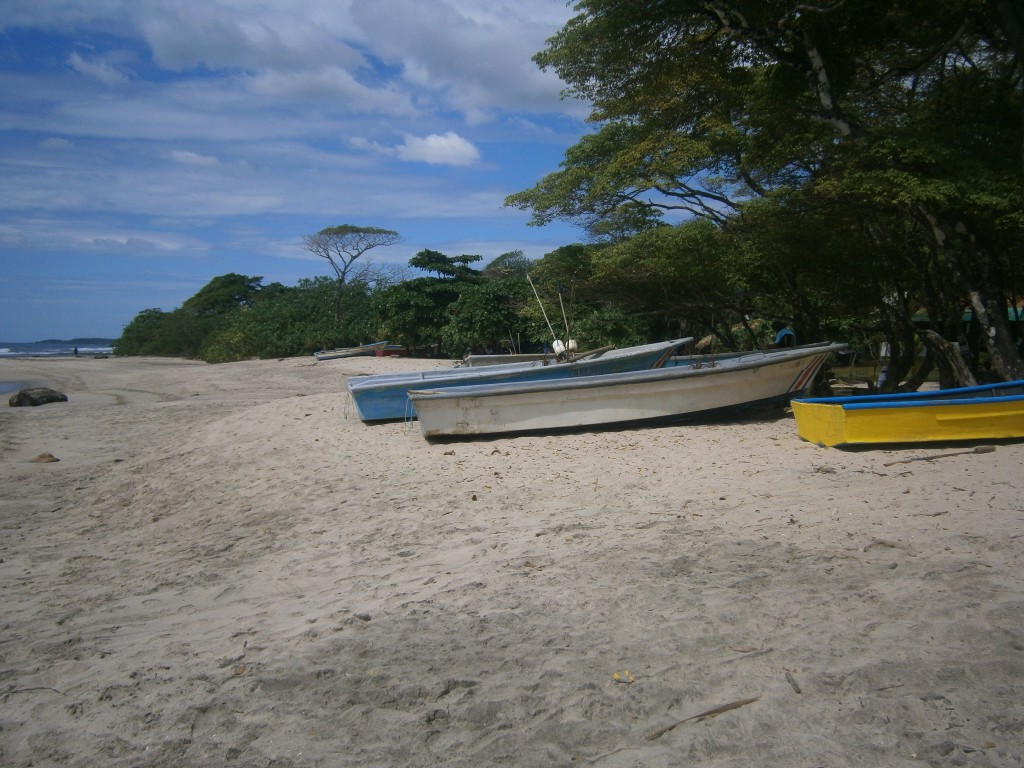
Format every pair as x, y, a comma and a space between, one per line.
76, 351
784, 335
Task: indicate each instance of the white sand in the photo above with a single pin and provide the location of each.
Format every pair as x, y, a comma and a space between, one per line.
227, 568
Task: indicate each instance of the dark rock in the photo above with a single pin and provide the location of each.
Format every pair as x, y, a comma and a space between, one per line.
945, 747
37, 396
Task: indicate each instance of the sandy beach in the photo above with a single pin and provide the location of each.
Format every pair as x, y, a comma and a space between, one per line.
225, 567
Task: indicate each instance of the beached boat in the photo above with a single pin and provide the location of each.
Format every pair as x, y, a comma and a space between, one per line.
984, 412
385, 397
365, 349
679, 393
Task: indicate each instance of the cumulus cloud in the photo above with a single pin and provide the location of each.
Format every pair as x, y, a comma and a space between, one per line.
435, 149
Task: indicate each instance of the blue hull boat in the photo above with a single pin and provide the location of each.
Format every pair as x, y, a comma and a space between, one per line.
385, 397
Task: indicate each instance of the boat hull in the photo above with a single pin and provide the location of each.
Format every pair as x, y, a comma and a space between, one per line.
667, 394
385, 397
986, 412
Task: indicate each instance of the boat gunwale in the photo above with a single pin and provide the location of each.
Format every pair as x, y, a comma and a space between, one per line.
387, 381
958, 395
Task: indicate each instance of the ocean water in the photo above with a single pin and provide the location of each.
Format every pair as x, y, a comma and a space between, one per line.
12, 350
55, 348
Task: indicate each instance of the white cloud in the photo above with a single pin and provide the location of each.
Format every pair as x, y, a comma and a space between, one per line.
435, 149
449, 149
332, 85
247, 35
99, 69
135, 244
365, 145
191, 158
475, 58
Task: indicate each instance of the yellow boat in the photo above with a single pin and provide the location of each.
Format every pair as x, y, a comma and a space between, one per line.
983, 412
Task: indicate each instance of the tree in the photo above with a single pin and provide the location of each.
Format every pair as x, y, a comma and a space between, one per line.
224, 293
902, 111
341, 246
144, 334
514, 264
414, 312
486, 316
446, 267
488, 312
286, 321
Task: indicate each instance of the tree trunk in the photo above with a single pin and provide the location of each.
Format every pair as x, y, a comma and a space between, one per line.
953, 370
991, 316
920, 374
339, 289
977, 272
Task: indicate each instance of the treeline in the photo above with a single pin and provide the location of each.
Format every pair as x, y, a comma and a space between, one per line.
449, 309
596, 294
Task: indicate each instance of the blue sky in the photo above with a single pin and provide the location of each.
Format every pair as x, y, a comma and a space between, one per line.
146, 148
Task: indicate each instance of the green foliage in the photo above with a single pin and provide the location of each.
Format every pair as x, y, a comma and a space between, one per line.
412, 313
273, 321
513, 264
293, 321
860, 158
595, 326
487, 315
144, 335
416, 312
446, 267
223, 294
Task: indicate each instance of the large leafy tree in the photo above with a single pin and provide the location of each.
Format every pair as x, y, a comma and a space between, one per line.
488, 313
224, 293
414, 312
908, 113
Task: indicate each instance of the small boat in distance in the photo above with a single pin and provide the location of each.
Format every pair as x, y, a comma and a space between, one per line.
385, 397
679, 393
365, 349
983, 412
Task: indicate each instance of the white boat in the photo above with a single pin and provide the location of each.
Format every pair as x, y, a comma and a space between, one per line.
385, 397
665, 394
